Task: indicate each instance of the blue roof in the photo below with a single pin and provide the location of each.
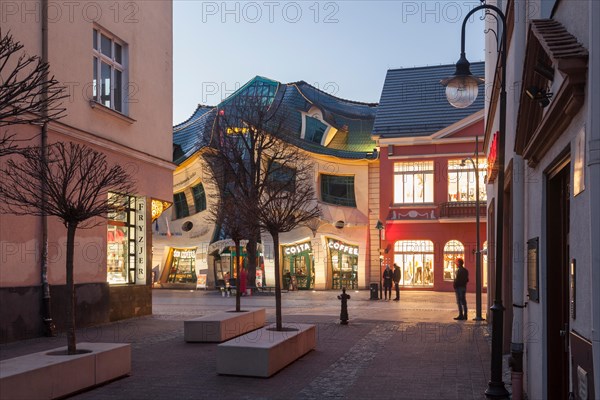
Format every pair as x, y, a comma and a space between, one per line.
353, 120
413, 102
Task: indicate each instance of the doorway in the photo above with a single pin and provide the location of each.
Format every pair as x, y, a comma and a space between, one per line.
557, 279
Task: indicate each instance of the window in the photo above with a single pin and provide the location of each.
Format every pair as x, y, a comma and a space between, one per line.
314, 129
413, 182
199, 197
415, 259
121, 241
109, 80
461, 181
338, 190
181, 205
452, 250
281, 177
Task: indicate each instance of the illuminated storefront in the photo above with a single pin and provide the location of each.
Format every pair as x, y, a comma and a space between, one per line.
343, 259
298, 265
126, 241
415, 259
225, 266
182, 268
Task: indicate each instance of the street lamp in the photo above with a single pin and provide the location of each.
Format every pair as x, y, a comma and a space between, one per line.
478, 250
461, 87
379, 227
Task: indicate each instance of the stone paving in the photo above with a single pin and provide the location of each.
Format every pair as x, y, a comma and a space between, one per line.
411, 349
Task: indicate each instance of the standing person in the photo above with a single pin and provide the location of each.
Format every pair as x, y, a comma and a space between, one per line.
397, 281
243, 279
387, 282
460, 288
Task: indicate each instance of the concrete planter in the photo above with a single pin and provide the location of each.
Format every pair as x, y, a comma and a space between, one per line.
53, 374
265, 351
223, 326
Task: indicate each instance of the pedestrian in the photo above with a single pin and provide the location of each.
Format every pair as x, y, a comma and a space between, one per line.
460, 288
387, 282
397, 281
243, 280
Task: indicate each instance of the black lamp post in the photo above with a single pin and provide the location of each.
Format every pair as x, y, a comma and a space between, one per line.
461, 90
478, 250
379, 227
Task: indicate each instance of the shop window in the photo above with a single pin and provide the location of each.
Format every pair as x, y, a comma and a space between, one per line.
314, 129
298, 272
181, 205
109, 66
343, 259
183, 266
462, 183
121, 241
338, 190
415, 259
199, 197
413, 182
484, 264
452, 250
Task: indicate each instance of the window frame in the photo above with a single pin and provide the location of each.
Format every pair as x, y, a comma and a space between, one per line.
99, 58
415, 247
199, 198
328, 198
450, 254
455, 170
180, 199
404, 169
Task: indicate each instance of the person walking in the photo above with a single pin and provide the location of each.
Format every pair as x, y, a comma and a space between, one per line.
397, 281
387, 282
460, 288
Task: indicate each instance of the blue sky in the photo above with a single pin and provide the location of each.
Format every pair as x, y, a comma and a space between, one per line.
342, 47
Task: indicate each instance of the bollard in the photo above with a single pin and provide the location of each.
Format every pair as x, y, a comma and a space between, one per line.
344, 313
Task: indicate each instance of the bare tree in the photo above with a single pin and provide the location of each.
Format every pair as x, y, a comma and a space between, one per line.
27, 94
73, 183
269, 179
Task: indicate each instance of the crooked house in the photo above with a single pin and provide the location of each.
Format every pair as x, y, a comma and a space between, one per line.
334, 251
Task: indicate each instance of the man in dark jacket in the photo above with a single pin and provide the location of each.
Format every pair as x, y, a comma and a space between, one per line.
397, 281
387, 282
460, 288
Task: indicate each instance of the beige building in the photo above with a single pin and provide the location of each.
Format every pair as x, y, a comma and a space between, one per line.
115, 60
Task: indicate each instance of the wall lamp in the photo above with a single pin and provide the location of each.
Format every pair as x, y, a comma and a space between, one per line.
539, 95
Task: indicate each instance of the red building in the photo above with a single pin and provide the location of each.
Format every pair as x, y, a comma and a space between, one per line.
428, 179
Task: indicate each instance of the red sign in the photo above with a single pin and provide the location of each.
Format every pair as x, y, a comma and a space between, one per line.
491, 160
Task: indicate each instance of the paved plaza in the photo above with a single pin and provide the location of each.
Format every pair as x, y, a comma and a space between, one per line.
411, 349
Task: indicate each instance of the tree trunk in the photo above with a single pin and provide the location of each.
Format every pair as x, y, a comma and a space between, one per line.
251, 253
279, 325
71, 341
238, 258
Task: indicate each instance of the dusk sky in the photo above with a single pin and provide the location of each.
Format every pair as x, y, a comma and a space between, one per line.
343, 47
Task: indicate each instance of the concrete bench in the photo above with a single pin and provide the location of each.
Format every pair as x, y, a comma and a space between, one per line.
264, 352
43, 375
223, 325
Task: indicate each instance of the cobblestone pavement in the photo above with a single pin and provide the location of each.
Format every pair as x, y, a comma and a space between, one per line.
411, 349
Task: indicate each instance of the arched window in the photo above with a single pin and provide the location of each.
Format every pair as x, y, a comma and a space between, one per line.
452, 250
415, 259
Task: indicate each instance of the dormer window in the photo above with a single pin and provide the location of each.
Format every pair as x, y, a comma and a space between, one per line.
315, 129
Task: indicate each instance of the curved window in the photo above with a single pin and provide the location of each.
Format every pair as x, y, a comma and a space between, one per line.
199, 197
338, 190
452, 250
181, 205
415, 259
314, 130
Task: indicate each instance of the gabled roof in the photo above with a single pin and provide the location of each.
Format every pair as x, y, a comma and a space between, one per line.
352, 120
413, 102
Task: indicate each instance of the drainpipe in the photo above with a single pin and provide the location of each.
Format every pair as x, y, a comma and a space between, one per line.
49, 327
516, 345
593, 163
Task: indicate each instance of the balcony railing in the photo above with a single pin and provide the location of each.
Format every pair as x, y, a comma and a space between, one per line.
462, 209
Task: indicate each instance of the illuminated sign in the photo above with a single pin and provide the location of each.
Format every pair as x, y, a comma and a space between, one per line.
491, 160
344, 248
140, 240
297, 248
184, 253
